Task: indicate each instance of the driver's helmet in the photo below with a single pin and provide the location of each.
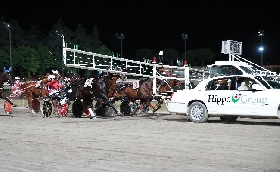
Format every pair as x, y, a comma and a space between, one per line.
51, 77
54, 72
17, 79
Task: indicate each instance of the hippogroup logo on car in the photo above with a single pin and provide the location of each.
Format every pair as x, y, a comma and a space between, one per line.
235, 97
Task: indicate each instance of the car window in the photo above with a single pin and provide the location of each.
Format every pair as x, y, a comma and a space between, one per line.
244, 83
219, 84
224, 70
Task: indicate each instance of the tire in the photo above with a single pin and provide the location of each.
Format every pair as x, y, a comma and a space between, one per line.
8, 107
109, 111
77, 108
62, 109
101, 111
134, 108
125, 109
36, 105
197, 112
47, 108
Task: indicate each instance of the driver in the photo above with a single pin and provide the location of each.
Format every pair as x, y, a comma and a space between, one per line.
54, 86
16, 87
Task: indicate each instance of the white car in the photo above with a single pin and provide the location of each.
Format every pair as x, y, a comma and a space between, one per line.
228, 97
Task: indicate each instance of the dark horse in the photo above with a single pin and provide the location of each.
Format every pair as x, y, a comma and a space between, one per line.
5, 77
100, 88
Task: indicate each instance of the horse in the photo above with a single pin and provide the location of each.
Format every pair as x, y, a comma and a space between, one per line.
164, 86
164, 89
34, 91
5, 77
129, 94
101, 88
145, 94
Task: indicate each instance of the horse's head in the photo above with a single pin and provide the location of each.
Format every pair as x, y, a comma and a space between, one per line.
8, 77
178, 83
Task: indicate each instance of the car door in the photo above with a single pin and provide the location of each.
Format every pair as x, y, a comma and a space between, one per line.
217, 96
255, 102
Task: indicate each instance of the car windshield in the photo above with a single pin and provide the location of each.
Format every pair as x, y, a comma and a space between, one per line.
246, 69
224, 70
268, 82
273, 82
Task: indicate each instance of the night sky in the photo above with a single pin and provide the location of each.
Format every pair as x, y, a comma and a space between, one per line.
158, 25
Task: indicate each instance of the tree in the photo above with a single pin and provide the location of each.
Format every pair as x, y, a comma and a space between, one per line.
191, 58
103, 50
46, 59
95, 38
170, 55
25, 59
5, 59
194, 57
143, 54
204, 55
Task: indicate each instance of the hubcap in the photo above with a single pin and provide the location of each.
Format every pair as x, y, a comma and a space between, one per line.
197, 112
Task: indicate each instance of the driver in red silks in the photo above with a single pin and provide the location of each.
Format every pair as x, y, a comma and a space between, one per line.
54, 86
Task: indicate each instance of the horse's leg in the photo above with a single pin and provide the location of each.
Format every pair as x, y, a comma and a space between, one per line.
54, 102
30, 105
109, 103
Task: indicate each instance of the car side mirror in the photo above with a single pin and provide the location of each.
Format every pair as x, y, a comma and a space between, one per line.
257, 87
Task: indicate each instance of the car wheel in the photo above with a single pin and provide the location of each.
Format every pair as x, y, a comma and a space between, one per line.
197, 112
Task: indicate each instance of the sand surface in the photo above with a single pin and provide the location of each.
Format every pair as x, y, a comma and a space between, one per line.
148, 142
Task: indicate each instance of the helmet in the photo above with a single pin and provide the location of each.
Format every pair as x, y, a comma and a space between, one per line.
54, 71
17, 78
51, 77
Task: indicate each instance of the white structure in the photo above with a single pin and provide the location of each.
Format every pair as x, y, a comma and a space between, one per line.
93, 61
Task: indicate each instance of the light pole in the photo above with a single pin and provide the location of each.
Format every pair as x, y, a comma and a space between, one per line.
261, 34
60, 33
185, 37
8, 26
121, 37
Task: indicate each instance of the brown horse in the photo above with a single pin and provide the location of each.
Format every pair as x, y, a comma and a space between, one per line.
34, 91
164, 89
144, 93
5, 77
165, 86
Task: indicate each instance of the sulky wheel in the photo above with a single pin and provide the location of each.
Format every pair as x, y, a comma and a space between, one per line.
109, 111
47, 109
8, 107
62, 109
36, 105
77, 108
100, 110
125, 108
134, 107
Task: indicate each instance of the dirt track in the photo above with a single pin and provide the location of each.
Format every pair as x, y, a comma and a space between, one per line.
152, 142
